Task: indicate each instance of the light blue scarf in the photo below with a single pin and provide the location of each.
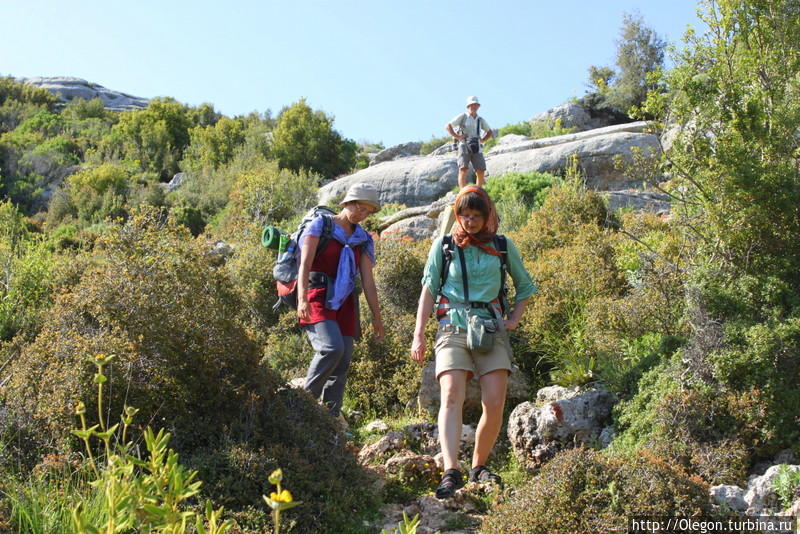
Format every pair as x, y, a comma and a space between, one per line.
347, 269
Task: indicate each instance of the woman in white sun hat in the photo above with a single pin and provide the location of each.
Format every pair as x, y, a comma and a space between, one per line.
326, 300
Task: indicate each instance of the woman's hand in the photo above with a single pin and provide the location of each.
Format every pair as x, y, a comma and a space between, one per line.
418, 348
303, 309
377, 327
511, 324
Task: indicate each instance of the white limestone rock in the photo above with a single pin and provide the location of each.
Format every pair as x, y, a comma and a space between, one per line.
69, 88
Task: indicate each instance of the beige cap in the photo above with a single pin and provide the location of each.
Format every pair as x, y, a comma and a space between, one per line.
362, 192
473, 100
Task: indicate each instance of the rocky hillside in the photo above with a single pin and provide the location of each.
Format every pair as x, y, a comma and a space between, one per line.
421, 182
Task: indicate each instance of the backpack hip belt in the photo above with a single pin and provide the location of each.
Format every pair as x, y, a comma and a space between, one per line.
445, 304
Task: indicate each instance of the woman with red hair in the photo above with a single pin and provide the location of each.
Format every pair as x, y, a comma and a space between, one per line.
468, 283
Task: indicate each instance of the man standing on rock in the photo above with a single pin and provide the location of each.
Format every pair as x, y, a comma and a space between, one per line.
466, 128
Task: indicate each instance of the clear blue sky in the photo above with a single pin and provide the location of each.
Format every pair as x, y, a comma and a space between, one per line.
387, 71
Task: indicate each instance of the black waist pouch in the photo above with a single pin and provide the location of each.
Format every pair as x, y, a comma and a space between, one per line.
317, 280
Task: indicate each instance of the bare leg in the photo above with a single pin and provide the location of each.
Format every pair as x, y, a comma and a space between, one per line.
453, 386
479, 180
493, 399
462, 177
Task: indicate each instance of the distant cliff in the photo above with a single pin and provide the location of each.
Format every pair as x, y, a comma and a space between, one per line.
68, 89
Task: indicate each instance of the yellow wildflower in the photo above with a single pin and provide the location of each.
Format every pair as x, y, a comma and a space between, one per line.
283, 496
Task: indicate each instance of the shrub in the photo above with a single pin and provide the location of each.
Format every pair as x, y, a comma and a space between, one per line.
539, 130
383, 378
305, 141
435, 142
569, 277
582, 491
567, 250
28, 266
530, 187
269, 195
152, 139
513, 215
214, 145
286, 347
151, 297
786, 485
98, 193
140, 301
398, 273
566, 207
250, 271
708, 430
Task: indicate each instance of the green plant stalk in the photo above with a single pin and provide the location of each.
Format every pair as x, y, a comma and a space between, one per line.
276, 513
85, 439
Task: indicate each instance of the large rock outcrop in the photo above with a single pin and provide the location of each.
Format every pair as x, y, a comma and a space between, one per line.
397, 151
413, 180
420, 180
578, 117
69, 88
561, 417
597, 152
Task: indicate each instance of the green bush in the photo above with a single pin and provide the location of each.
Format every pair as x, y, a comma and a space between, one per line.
582, 491
539, 130
383, 379
269, 195
286, 347
398, 273
517, 194
150, 296
786, 485
81, 109
529, 187
304, 141
98, 193
250, 270
566, 207
214, 145
152, 139
708, 430
435, 142
28, 267
569, 278
140, 300
567, 250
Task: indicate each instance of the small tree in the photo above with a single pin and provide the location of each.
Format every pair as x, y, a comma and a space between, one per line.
153, 138
304, 140
640, 51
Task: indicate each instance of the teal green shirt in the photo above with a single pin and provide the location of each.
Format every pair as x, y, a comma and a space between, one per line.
483, 278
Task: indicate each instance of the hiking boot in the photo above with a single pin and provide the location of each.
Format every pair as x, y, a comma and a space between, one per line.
482, 475
452, 480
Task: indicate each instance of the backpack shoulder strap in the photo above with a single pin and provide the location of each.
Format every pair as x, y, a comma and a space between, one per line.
463, 263
327, 233
447, 256
501, 245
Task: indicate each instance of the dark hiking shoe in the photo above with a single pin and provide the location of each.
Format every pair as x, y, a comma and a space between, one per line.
452, 480
481, 474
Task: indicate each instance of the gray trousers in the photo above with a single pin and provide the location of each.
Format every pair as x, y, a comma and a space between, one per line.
327, 373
